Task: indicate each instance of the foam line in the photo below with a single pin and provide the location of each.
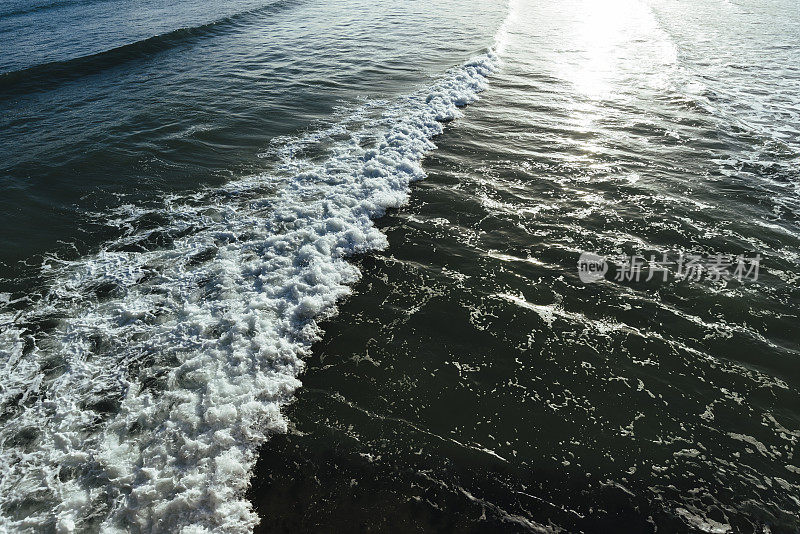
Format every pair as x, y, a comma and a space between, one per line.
136, 392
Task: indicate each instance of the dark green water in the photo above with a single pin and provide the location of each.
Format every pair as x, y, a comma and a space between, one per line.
473, 383
230, 304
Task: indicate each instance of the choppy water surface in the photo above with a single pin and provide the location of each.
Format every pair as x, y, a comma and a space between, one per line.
192, 189
474, 383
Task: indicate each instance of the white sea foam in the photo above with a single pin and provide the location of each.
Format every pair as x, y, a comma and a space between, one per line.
136, 392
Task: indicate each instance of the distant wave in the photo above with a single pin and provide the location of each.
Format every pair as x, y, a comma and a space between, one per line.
48, 75
47, 6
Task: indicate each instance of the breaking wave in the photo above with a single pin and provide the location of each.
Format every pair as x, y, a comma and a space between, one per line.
136, 391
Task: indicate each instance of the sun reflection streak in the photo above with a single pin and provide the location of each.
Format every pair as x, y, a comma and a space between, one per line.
609, 35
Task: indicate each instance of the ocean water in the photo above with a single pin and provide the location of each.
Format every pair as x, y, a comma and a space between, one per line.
302, 266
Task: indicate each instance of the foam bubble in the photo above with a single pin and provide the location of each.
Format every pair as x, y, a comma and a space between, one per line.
136, 392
